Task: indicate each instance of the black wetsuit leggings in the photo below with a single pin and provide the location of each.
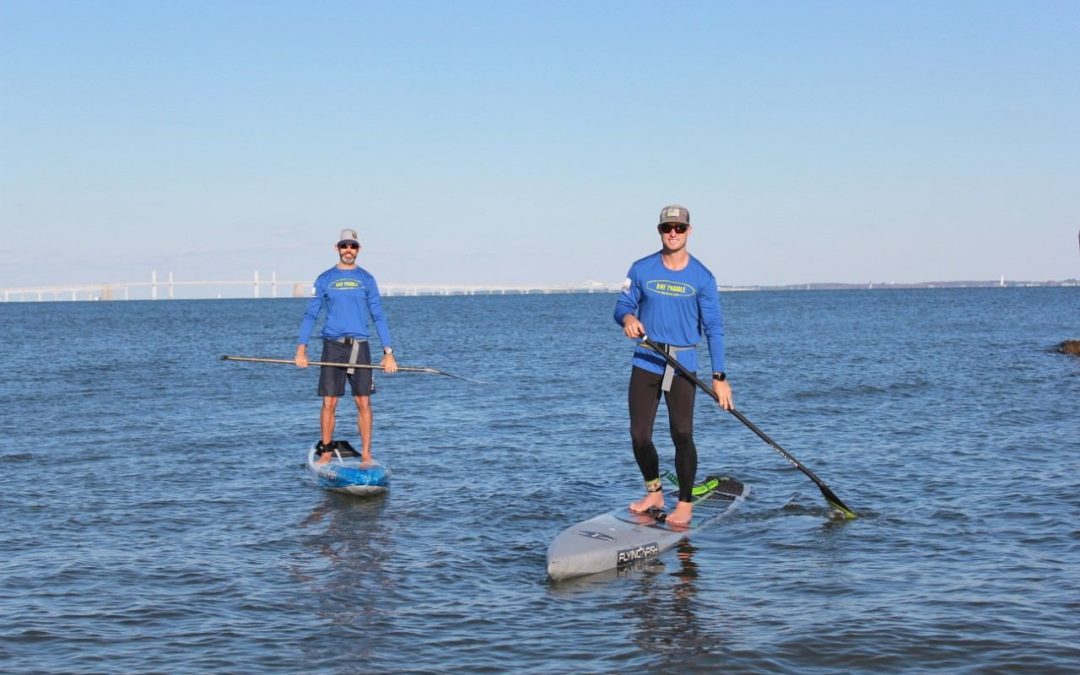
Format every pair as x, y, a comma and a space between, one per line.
644, 400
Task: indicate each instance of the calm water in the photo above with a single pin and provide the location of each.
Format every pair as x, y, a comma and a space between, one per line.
156, 516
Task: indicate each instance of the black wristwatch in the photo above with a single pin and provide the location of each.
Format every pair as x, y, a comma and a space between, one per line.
389, 351
719, 377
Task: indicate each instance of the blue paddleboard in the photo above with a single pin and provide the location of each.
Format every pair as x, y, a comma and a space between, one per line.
346, 473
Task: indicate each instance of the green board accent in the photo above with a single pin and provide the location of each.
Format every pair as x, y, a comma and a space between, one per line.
701, 489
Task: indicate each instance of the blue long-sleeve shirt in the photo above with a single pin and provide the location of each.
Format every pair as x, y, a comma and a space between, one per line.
352, 302
676, 308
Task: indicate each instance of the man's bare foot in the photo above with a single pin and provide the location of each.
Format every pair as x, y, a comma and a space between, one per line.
325, 457
652, 500
681, 515
365, 459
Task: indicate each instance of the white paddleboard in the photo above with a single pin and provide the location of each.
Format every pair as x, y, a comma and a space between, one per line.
622, 538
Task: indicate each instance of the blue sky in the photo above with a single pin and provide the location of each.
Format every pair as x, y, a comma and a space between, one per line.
535, 142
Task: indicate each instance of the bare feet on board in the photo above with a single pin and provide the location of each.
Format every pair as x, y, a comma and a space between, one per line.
681, 515
652, 500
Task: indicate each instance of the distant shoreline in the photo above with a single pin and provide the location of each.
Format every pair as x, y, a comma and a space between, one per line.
231, 290
840, 286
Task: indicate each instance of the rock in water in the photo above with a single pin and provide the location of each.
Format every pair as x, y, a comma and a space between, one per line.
1070, 347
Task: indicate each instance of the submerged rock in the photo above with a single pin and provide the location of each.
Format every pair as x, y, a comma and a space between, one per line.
1070, 347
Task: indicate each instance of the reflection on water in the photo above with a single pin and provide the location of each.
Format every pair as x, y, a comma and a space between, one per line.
344, 569
665, 613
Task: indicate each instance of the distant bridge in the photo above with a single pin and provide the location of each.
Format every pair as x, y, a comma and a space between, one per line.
154, 289
259, 287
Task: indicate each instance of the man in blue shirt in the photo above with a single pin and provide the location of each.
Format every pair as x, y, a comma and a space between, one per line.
671, 297
352, 302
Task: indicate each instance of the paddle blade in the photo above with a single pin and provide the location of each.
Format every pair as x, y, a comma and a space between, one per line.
838, 505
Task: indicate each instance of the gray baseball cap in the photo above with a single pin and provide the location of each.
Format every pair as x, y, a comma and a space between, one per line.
673, 213
348, 235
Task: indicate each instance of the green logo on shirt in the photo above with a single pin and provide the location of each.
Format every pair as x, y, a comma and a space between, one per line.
346, 284
674, 288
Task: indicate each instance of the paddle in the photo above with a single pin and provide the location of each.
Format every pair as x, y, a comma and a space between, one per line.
829, 495
407, 369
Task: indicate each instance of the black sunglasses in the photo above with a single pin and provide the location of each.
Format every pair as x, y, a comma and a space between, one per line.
349, 245
666, 228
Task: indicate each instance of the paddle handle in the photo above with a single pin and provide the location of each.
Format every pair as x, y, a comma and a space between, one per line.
255, 359
335, 364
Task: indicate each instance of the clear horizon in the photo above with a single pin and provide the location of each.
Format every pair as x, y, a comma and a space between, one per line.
270, 288
520, 143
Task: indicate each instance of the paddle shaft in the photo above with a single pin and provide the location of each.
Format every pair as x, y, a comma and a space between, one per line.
829, 495
335, 364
